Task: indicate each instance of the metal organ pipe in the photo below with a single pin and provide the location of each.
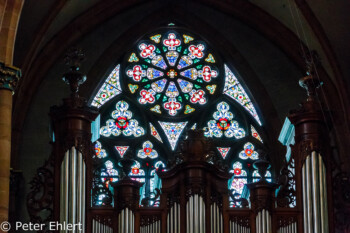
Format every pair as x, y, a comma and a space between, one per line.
315, 200
308, 195
263, 222
126, 220
173, 219
195, 211
315, 193
73, 189
238, 228
290, 228
98, 227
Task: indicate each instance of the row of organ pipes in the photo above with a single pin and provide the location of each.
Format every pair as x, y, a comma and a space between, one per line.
263, 221
194, 175
154, 227
195, 215
173, 219
216, 220
291, 228
98, 227
73, 192
315, 194
72, 195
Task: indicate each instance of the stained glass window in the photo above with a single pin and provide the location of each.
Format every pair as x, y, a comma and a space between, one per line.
223, 123
172, 73
109, 89
108, 175
173, 131
147, 151
121, 150
249, 152
238, 182
224, 151
255, 133
256, 176
122, 122
100, 153
172, 81
235, 90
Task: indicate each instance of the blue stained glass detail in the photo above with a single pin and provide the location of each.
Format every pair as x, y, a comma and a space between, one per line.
172, 57
154, 73
159, 62
184, 62
185, 86
172, 90
190, 73
159, 85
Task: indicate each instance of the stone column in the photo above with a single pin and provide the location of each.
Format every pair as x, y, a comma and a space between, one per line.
9, 77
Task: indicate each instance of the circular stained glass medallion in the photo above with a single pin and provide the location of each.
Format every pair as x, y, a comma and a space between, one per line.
171, 73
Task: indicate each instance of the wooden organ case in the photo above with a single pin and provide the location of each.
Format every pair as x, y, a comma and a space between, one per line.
194, 198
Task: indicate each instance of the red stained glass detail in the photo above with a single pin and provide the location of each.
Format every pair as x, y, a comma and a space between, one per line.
97, 151
172, 106
122, 122
198, 96
208, 73
147, 150
248, 152
223, 124
147, 51
136, 73
197, 51
135, 170
172, 42
147, 96
237, 171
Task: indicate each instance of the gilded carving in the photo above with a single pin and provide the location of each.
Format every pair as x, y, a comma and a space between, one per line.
9, 77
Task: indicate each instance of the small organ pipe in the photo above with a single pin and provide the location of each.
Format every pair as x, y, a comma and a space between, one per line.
315, 193
308, 190
200, 213
269, 230
212, 218
83, 197
305, 209
263, 221
79, 190
203, 215
322, 191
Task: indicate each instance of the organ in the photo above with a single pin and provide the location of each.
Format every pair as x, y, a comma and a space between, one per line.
194, 197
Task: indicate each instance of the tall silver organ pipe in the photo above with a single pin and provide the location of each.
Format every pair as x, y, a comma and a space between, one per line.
98, 227
315, 207
173, 219
263, 222
126, 221
216, 220
195, 214
154, 227
73, 189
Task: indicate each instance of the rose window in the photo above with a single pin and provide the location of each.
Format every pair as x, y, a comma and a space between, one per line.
171, 73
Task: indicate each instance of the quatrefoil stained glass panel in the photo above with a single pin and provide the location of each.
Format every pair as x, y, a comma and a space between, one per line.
171, 73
